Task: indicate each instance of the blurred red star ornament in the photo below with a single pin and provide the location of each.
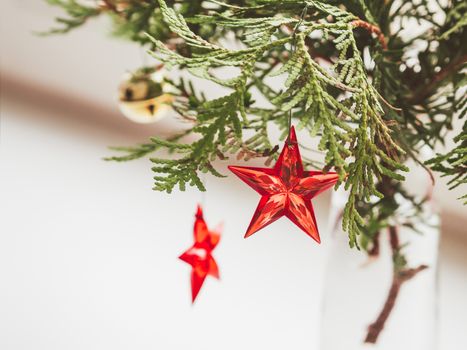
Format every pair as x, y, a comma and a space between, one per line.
286, 190
199, 256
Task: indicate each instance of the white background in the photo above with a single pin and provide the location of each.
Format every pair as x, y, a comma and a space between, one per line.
88, 253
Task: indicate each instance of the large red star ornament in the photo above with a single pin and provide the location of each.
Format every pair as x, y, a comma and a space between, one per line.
286, 190
199, 255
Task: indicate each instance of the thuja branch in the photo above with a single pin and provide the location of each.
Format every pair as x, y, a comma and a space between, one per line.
309, 89
400, 275
334, 97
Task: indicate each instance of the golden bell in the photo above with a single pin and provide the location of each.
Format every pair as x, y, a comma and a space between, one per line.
147, 111
144, 97
133, 90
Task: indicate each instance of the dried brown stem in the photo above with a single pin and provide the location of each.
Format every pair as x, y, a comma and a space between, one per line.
109, 5
398, 279
374, 251
372, 29
394, 239
426, 90
376, 327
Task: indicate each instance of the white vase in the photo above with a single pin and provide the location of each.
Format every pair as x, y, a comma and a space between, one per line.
357, 286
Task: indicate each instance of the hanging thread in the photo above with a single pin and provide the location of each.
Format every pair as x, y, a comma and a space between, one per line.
294, 46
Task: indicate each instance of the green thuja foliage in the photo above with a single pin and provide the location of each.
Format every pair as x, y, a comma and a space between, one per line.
77, 15
371, 93
454, 163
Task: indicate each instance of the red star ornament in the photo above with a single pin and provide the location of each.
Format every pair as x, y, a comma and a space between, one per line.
286, 190
199, 255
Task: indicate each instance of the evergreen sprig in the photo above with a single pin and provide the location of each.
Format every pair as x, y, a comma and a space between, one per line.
359, 153
78, 14
454, 162
372, 94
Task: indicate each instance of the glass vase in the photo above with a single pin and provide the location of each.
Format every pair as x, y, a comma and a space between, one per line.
371, 303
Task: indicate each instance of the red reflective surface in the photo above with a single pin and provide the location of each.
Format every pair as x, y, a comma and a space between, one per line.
286, 190
199, 255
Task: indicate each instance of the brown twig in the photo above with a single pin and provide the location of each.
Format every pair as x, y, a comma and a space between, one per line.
399, 278
374, 251
358, 23
394, 239
426, 90
109, 5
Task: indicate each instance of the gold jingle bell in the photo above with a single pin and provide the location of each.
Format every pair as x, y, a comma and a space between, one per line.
144, 97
